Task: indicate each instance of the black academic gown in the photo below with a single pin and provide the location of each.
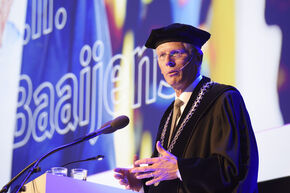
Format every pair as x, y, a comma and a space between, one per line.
216, 150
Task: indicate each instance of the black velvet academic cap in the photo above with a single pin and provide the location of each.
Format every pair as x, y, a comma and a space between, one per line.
177, 33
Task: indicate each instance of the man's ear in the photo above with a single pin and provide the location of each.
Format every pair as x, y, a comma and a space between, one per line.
200, 58
199, 55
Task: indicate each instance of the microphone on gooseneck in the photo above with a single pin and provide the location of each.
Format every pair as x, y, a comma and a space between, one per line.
109, 127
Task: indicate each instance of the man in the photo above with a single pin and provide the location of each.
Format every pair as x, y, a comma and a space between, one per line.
205, 141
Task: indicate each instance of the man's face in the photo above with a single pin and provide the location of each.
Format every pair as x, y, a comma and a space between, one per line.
172, 56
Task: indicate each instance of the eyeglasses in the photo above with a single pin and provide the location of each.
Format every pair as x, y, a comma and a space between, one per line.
174, 54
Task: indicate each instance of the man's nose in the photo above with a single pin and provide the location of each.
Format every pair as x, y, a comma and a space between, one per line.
170, 62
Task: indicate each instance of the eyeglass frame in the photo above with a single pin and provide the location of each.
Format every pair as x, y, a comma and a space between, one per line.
174, 54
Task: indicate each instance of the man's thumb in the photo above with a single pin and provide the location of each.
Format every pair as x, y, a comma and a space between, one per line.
160, 149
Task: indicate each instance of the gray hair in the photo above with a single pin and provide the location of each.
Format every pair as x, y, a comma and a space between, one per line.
194, 50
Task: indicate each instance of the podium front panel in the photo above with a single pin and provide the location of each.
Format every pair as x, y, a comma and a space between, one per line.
48, 183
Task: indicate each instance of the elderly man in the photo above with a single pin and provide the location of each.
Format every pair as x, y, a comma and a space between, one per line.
205, 141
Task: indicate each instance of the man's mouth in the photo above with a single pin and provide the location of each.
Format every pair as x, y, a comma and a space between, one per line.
173, 72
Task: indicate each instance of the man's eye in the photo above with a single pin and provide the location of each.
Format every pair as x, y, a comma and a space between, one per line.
175, 53
162, 55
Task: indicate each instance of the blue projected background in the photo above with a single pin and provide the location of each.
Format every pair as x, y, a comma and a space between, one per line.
70, 66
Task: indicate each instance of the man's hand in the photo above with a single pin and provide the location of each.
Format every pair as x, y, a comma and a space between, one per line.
127, 178
159, 168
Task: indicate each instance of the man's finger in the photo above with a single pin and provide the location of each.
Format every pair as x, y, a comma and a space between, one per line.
120, 170
123, 182
153, 181
142, 169
161, 149
136, 157
147, 161
144, 176
118, 176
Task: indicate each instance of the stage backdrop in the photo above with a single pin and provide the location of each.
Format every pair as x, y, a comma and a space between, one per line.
84, 62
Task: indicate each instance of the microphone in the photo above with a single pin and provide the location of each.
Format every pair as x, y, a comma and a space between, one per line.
109, 127
98, 157
180, 69
118, 123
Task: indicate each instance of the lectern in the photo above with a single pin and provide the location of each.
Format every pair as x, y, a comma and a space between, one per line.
48, 183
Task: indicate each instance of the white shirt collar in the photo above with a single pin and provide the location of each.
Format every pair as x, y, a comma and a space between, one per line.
185, 95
